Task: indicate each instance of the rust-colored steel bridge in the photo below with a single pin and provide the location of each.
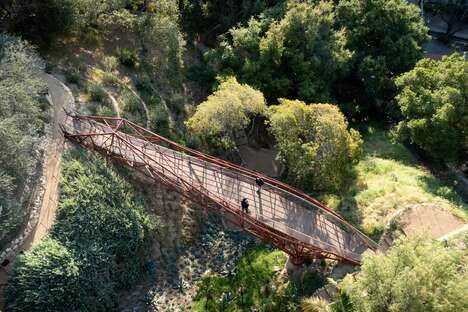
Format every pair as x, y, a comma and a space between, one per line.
278, 213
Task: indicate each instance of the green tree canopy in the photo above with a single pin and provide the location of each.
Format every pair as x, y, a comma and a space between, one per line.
39, 20
387, 37
296, 55
315, 143
226, 112
434, 104
415, 275
211, 18
163, 41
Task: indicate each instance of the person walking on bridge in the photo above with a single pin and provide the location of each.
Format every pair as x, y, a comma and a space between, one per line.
245, 205
260, 183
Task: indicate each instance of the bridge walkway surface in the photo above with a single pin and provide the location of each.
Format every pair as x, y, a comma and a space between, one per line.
278, 214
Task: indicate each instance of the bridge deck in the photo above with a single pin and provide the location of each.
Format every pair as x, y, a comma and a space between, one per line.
272, 207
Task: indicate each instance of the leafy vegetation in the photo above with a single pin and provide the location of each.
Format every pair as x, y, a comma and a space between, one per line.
255, 285
40, 21
434, 105
299, 56
315, 143
387, 38
415, 275
226, 112
22, 118
355, 54
203, 18
96, 246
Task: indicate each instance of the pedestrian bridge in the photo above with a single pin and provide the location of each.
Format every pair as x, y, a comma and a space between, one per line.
278, 213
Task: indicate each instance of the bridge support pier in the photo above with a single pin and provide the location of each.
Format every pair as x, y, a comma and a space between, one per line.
294, 262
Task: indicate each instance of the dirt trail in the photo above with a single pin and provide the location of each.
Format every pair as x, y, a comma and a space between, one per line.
59, 95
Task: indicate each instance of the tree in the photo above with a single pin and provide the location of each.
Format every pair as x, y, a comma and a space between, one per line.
43, 279
204, 17
163, 42
453, 12
315, 143
415, 275
40, 20
22, 119
296, 54
226, 112
387, 37
433, 100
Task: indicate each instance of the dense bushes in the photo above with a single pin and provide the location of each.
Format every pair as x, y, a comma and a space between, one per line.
415, 275
44, 279
96, 246
387, 38
39, 20
315, 143
210, 18
22, 117
227, 111
434, 105
254, 286
299, 56
347, 51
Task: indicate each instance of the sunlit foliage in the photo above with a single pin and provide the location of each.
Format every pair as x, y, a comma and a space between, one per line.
434, 104
225, 113
315, 143
415, 275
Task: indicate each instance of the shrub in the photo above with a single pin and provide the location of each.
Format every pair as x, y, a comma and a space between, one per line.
22, 119
227, 111
143, 83
110, 79
96, 92
72, 75
315, 143
44, 273
256, 286
415, 275
130, 102
97, 244
110, 63
434, 104
127, 57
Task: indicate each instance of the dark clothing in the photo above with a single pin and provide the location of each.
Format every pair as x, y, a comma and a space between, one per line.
245, 205
259, 182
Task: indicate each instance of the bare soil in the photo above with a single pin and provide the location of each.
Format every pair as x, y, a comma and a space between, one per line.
429, 220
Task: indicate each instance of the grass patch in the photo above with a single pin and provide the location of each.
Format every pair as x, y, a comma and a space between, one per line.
387, 179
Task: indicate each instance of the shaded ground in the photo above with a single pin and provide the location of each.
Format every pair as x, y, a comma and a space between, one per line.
261, 160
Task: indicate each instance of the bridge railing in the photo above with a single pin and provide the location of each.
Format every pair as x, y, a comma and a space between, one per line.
111, 125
